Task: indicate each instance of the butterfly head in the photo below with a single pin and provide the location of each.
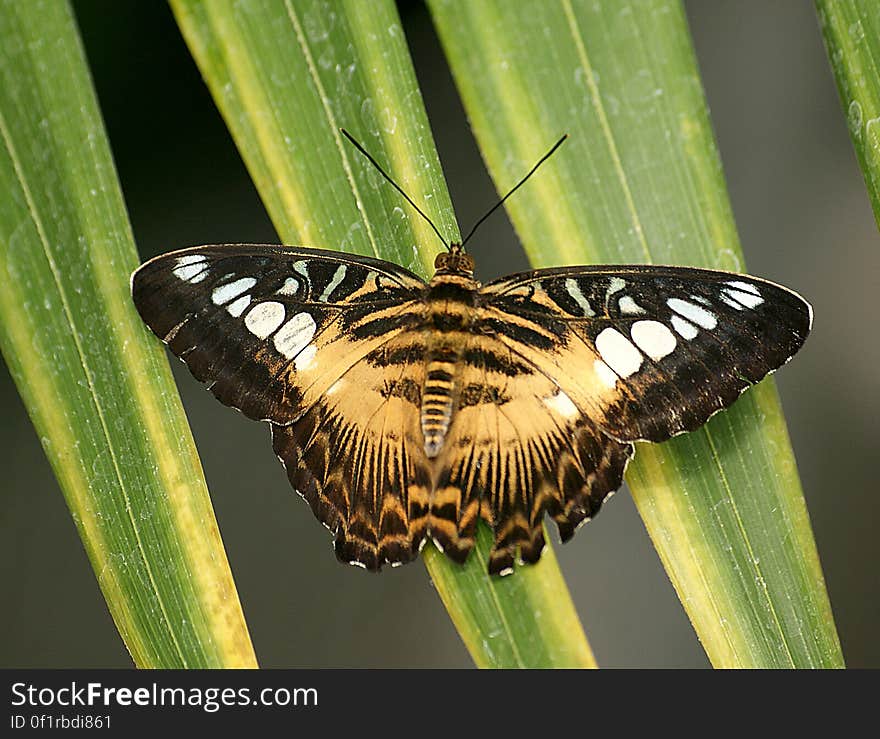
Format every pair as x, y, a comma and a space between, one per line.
454, 262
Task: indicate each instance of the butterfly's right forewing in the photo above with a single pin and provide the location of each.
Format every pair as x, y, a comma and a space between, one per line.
649, 352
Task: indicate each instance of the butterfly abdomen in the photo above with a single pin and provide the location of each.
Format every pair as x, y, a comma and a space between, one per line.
451, 299
438, 398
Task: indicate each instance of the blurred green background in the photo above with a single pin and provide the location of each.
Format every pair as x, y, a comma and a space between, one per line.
804, 220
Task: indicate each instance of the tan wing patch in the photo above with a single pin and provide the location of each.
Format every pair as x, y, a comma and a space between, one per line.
304, 380
571, 362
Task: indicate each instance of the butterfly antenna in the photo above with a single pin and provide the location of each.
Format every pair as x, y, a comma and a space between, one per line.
397, 187
515, 188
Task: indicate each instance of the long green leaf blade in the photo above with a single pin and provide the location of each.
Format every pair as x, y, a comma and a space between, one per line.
98, 389
286, 76
852, 37
640, 181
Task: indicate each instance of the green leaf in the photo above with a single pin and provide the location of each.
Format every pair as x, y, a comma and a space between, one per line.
97, 387
286, 76
640, 181
852, 37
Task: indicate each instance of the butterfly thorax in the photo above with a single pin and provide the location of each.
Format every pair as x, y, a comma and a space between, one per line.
451, 300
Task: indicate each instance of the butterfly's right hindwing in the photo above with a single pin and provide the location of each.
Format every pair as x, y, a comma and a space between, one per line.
270, 327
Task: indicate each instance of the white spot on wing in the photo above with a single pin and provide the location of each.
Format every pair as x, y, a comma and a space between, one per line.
745, 287
264, 318
237, 307
694, 313
727, 300
301, 268
290, 287
618, 352
338, 277
605, 373
573, 289
629, 307
304, 359
684, 329
230, 290
191, 268
562, 404
615, 285
747, 299
295, 335
653, 338
196, 258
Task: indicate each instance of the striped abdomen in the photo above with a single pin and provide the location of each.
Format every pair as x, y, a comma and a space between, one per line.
437, 399
452, 299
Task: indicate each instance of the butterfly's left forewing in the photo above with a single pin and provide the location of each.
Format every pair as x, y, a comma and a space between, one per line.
648, 352
270, 328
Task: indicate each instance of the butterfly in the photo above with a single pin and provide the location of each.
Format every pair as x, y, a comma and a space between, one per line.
406, 410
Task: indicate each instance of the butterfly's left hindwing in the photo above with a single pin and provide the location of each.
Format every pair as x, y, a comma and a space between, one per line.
648, 352
357, 457
271, 327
